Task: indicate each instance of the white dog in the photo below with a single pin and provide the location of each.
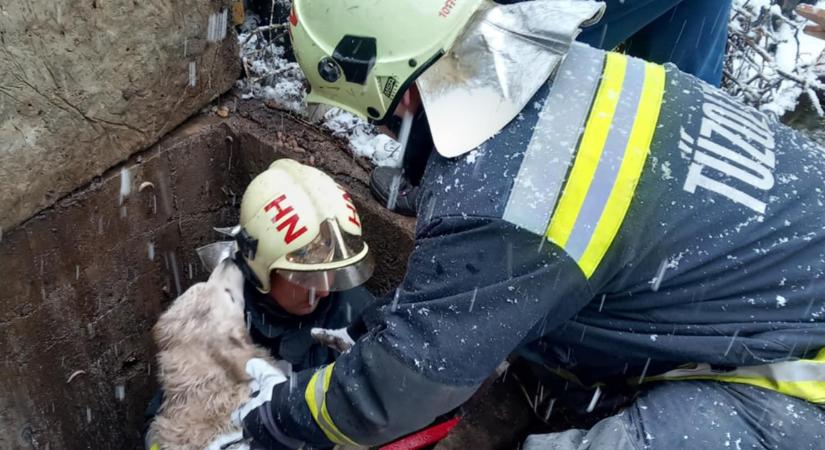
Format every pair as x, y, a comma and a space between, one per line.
203, 351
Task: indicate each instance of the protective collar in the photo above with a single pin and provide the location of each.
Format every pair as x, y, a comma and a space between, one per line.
504, 56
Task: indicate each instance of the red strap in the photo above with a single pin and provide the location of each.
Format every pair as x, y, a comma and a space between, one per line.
423, 438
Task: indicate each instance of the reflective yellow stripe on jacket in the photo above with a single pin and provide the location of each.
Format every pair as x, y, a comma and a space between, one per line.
315, 396
609, 161
803, 378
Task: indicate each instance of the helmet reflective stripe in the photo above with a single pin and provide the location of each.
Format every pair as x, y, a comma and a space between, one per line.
362, 55
295, 218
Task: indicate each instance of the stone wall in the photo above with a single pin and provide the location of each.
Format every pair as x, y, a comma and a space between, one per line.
83, 85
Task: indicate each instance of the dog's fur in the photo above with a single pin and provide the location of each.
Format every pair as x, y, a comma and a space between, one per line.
203, 349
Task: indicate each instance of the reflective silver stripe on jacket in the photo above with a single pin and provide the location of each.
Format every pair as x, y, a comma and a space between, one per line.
323, 419
788, 371
613, 153
550, 153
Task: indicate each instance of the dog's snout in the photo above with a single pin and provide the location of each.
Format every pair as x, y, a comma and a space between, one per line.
228, 274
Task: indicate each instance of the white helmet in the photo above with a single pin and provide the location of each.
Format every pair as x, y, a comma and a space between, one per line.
297, 221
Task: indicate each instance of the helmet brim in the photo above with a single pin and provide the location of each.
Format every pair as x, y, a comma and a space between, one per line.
334, 279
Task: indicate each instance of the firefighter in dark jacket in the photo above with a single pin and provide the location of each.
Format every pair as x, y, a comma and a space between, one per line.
304, 262
613, 220
301, 251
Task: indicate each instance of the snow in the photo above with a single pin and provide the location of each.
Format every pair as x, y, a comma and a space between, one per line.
125, 185
772, 63
193, 74
594, 400
272, 77
363, 139
216, 26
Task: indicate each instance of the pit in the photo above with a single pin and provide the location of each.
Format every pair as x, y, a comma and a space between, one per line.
87, 278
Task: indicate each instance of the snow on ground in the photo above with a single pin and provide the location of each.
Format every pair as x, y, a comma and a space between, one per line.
771, 62
271, 76
364, 140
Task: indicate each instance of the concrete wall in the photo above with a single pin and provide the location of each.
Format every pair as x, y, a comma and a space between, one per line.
85, 84
85, 279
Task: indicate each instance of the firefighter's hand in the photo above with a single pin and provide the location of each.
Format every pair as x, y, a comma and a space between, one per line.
229, 441
264, 379
335, 339
815, 15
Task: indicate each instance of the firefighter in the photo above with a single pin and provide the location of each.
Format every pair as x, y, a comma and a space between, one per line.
301, 250
659, 31
615, 221
304, 260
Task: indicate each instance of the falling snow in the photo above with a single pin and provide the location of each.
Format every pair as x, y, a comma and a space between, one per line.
217, 26
125, 185
193, 74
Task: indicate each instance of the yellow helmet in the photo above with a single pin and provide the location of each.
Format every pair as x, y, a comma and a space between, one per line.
362, 55
297, 221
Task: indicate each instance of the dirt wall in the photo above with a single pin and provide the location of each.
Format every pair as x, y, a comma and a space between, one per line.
85, 279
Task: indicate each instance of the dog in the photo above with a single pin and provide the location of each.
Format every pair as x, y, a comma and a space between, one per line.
203, 348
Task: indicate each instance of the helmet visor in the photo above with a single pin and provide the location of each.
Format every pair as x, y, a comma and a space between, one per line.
332, 248
332, 280
334, 261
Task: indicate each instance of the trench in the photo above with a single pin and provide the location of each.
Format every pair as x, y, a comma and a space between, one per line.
86, 279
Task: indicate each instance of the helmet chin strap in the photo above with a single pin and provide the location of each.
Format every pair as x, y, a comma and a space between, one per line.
247, 271
419, 146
